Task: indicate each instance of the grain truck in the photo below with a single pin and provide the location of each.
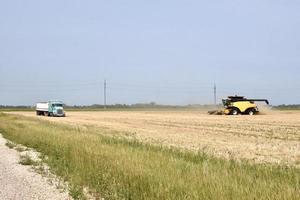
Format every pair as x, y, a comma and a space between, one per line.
51, 108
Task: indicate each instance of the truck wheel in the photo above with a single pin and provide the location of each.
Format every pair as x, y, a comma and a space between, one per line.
234, 111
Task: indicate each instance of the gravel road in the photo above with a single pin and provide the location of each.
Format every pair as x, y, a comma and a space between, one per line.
20, 182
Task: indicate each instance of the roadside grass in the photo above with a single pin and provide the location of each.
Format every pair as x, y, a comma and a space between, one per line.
27, 160
115, 168
16, 147
10, 145
20, 148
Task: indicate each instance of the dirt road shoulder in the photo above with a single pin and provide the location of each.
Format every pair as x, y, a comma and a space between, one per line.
19, 182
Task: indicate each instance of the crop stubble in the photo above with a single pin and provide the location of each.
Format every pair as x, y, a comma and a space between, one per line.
271, 138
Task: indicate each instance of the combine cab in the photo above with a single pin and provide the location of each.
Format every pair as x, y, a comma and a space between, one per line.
235, 105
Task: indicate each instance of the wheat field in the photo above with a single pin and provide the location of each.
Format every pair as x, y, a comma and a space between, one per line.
272, 137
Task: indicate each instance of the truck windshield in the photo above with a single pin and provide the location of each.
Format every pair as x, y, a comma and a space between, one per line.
57, 105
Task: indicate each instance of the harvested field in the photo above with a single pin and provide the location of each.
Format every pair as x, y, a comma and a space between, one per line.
271, 138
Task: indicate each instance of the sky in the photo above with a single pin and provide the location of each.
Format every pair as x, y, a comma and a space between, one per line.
168, 52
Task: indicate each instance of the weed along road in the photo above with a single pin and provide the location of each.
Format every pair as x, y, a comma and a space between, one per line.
19, 182
273, 137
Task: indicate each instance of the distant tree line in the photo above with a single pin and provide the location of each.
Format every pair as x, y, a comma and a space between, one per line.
288, 107
141, 105
120, 106
7, 106
115, 106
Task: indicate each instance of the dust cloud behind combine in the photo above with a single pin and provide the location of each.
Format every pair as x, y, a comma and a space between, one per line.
272, 137
266, 109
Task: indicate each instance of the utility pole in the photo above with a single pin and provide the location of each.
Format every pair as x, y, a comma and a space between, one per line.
215, 94
104, 94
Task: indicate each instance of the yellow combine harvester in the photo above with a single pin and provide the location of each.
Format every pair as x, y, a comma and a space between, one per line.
235, 105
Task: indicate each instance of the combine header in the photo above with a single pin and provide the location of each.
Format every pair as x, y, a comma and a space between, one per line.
235, 105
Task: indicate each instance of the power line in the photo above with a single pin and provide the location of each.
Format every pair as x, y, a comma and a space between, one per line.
215, 94
104, 94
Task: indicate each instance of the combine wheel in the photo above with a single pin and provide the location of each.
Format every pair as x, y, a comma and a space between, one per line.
251, 112
234, 111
